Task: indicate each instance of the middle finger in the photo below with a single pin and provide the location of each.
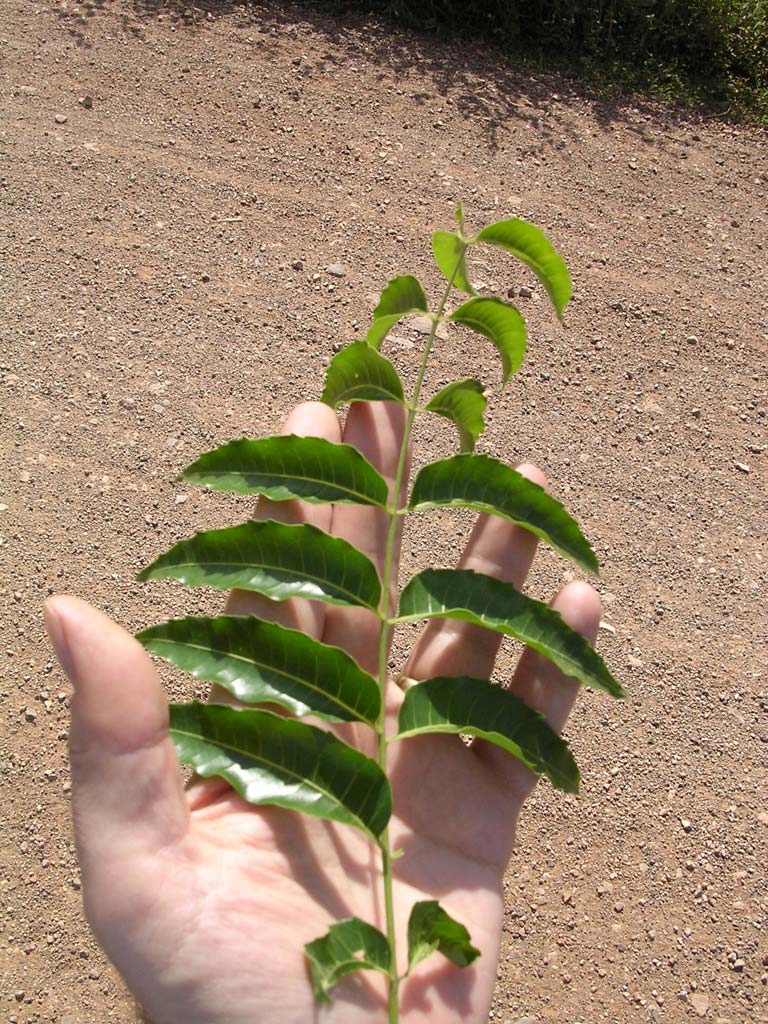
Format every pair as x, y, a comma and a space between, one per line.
376, 430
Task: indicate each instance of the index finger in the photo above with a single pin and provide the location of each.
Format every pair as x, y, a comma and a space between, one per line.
309, 419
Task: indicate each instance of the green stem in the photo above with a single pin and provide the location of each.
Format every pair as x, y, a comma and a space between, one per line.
384, 636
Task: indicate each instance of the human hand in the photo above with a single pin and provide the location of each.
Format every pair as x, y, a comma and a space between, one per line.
204, 902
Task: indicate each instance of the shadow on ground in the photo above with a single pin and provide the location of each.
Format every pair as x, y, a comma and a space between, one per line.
485, 84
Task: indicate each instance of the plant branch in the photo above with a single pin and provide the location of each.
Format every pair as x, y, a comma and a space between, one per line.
384, 634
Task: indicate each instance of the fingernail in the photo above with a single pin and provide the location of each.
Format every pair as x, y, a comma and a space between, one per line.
58, 635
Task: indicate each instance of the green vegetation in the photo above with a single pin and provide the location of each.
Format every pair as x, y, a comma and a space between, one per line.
711, 52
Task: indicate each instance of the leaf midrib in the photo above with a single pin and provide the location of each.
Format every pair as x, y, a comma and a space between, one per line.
447, 613
229, 746
285, 476
258, 664
272, 568
447, 727
351, 388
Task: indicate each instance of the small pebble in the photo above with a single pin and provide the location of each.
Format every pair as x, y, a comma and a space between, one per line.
61, 119
336, 270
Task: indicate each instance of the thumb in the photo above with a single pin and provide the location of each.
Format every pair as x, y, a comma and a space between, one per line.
126, 785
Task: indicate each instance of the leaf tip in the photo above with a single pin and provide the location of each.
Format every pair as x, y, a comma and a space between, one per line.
590, 563
611, 685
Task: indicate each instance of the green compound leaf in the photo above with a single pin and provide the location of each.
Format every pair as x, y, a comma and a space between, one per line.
448, 250
487, 485
463, 402
360, 374
478, 708
269, 759
282, 468
273, 559
262, 662
403, 295
430, 928
533, 247
494, 604
501, 323
350, 945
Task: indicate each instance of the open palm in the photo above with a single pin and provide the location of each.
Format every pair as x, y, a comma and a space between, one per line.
203, 902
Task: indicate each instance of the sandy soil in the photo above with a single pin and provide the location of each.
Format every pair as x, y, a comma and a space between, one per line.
175, 185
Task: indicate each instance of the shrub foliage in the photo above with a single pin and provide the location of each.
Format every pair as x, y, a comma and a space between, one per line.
714, 49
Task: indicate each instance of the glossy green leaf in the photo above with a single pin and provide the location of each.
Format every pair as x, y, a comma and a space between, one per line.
269, 759
494, 604
463, 402
350, 945
361, 374
282, 468
430, 928
533, 247
262, 662
487, 485
273, 559
501, 323
448, 249
402, 296
478, 708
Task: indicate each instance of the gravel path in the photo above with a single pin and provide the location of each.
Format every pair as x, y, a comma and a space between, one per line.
197, 208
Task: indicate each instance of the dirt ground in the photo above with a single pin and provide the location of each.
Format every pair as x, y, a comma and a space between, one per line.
175, 185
